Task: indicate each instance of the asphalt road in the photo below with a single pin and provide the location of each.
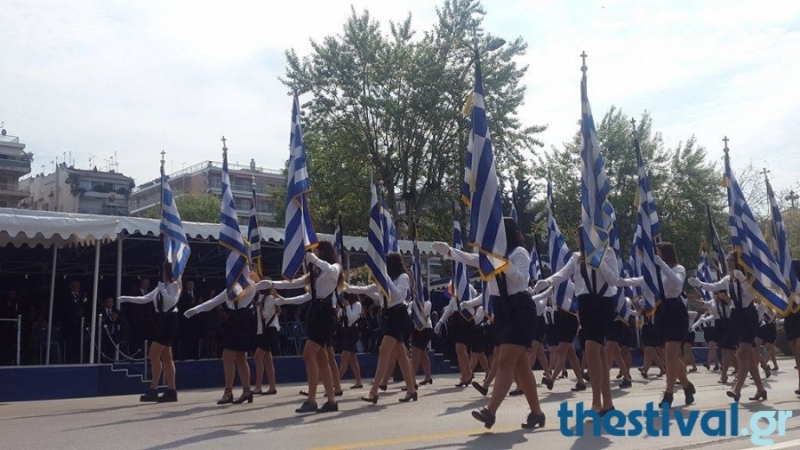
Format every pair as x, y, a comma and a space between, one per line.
439, 420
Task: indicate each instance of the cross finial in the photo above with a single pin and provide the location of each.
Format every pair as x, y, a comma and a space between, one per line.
792, 197
583, 57
162, 157
254, 181
224, 147
765, 171
725, 140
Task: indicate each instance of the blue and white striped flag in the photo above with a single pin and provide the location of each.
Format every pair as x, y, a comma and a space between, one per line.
613, 238
299, 233
783, 255
703, 271
763, 273
514, 214
254, 236
648, 227
535, 269
237, 265
719, 257
634, 260
418, 304
468, 185
376, 254
487, 231
176, 245
595, 206
460, 278
338, 240
390, 241
559, 257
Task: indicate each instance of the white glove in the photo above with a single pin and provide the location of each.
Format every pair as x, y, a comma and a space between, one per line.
311, 258
264, 285
189, 313
541, 285
437, 328
694, 282
441, 248
739, 275
280, 301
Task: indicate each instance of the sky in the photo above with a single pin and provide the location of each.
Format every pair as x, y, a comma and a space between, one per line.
133, 78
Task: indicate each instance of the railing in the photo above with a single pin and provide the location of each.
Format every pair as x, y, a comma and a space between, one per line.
15, 163
207, 164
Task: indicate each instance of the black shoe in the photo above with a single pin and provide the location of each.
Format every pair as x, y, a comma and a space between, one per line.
666, 399
227, 397
619, 375
516, 392
693, 369
479, 387
760, 395
716, 368
404, 388
246, 396
705, 364
767, 371
625, 384
338, 393
485, 416
373, 400
170, 396
329, 407
606, 411
586, 377
534, 421
357, 386
270, 392
150, 396
548, 382
383, 387
408, 398
734, 395
689, 392
579, 387
306, 408
564, 374
662, 373
426, 381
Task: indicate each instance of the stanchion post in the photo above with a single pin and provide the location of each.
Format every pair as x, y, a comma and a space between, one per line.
19, 337
83, 323
99, 338
146, 352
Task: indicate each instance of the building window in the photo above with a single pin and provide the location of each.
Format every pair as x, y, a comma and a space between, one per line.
102, 187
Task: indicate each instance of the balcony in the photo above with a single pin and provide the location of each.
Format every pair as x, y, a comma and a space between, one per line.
15, 166
8, 192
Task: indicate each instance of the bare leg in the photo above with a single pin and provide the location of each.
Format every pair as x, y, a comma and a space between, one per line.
525, 380
270, 370
259, 360
593, 355
405, 367
463, 362
334, 368
426, 364
676, 368
244, 370
312, 369
385, 357
229, 366
169, 368
155, 361
323, 362
506, 362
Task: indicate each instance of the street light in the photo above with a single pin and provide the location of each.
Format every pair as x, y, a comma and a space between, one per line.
495, 43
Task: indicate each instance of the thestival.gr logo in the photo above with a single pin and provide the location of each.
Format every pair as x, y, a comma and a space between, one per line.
712, 423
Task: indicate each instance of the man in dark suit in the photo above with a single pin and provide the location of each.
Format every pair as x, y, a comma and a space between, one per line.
73, 308
189, 333
140, 318
114, 328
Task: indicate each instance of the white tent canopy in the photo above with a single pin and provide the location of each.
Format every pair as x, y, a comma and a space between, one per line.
46, 228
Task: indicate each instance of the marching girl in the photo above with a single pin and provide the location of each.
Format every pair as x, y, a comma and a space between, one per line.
420, 338
596, 290
393, 342
267, 330
709, 327
463, 328
539, 337
514, 319
165, 300
238, 338
561, 335
744, 319
650, 342
726, 334
766, 335
792, 325
350, 317
479, 341
617, 338
324, 277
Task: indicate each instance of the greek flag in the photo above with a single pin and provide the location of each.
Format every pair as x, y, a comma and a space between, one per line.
535, 269
648, 226
783, 255
487, 231
763, 273
718, 251
418, 304
237, 278
703, 271
613, 239
176, 245
634, 259
468, 185
390, 242
338, 241
460, 279
559, 256
627, 270
595, 207
254, 236
299, 234
376, 254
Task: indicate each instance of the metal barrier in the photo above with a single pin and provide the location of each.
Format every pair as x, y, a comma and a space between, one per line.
82, 325
99, 339
18, 323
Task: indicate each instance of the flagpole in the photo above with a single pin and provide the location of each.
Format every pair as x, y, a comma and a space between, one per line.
161, 209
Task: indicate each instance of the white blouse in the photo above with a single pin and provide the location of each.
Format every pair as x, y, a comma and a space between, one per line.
517, 275
353, 313
245, 299
325, 283
746, 293
170, 293
608, 274
399, 289
692, 318
267, 306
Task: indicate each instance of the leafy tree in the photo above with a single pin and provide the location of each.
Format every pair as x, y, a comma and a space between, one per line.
193, 207
394, 103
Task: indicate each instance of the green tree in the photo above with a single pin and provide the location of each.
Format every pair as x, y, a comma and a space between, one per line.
193, 207
394, 103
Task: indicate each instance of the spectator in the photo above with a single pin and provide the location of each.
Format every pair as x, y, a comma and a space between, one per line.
73, 308
140, 317
114, 330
